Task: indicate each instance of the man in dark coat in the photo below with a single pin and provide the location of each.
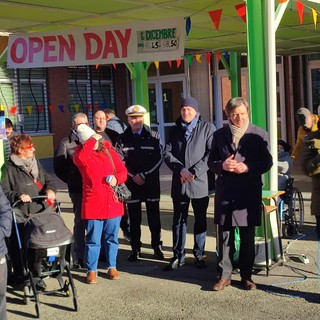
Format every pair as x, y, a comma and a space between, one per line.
186, 154
141, 150
311, 167
239, 156
68, 172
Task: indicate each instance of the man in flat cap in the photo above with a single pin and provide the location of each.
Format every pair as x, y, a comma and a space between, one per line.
308, 122
141, 150
186, 154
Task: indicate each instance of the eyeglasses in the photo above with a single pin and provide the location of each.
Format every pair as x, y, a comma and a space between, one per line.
31, 146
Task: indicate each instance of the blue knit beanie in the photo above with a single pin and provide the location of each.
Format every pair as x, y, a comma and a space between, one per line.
190, 102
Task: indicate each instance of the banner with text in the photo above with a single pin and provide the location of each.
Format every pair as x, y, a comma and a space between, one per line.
160, 40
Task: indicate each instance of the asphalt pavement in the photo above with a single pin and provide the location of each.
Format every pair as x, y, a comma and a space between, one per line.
145, 291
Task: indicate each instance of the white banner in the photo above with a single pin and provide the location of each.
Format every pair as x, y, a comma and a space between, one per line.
160, 40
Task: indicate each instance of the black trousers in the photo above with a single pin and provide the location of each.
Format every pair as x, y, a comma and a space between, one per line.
153, 216
227, 249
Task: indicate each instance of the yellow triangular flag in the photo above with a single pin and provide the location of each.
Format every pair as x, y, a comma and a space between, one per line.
198, 57
76, 107
314, 16
2, 107
156, 64
29, 110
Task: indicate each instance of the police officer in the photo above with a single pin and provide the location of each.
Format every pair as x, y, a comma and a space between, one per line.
141, 150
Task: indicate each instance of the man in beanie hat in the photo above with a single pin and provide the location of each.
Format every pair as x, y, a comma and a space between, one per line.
141, 150
186, 154
308, 122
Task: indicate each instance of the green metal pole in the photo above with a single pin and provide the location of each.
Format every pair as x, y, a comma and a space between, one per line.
235, 69
141, 89
256, 12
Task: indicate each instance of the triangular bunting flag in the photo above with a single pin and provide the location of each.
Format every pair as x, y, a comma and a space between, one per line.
226, 55
40, 108
97, 66
198, 57
208, 57
282, 1
300, 8
241, 10
178, 63
315, 17
88, 106
188, 26
29, 110
170, 64
51, 108
218, 56
76, 107
61, 108
156, 64
114, 66
13, 110
189, 59
215, 16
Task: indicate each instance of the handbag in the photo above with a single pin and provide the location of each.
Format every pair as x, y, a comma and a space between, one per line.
121, 191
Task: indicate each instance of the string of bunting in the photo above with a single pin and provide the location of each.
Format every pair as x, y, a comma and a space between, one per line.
216, 15
71, 107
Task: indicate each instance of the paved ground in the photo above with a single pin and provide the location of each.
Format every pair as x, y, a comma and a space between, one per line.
144, 291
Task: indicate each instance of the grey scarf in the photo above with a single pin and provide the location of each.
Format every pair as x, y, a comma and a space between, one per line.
237, 133
29, 165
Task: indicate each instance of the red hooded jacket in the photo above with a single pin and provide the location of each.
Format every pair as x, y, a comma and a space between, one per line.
98, 200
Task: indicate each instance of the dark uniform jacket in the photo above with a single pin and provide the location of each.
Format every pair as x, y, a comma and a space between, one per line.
16, 181
311, 166
238, 197
63, 165
143, 155
192, 155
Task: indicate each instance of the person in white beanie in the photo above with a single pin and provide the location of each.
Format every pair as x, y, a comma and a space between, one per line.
101, 169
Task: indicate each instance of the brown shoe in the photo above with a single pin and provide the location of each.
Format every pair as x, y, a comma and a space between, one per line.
92, 277
113, 274
248, 284
221, 284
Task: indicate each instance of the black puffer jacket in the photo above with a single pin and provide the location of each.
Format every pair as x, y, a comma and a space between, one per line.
16, 181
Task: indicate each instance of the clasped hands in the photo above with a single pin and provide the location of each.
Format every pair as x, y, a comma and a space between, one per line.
232, 165
186, 176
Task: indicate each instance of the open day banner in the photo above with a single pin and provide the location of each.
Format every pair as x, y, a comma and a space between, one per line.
160, 40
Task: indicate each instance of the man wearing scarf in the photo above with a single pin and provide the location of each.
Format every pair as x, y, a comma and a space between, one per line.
186, 154
239, 156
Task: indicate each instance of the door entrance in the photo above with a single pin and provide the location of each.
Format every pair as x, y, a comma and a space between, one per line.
164, 101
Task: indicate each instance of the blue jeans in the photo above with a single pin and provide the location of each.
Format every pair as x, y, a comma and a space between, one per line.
179, 227
95, 229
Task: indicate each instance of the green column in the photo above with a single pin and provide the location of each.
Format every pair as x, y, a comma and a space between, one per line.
235, 68
256, 28
139, 75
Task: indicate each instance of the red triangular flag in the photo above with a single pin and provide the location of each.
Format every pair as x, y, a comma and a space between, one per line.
51, 108
170, 64
40, 108
218, 55
215, 16
13, 110
300, 8
114, 66
178, 63
241, 9
208, 56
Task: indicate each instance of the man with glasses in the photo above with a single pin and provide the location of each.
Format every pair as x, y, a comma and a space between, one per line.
68, 172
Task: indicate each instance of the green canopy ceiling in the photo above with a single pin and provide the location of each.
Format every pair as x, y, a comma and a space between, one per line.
42, 15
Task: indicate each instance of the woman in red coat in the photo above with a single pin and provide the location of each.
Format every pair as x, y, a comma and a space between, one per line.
101, 211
